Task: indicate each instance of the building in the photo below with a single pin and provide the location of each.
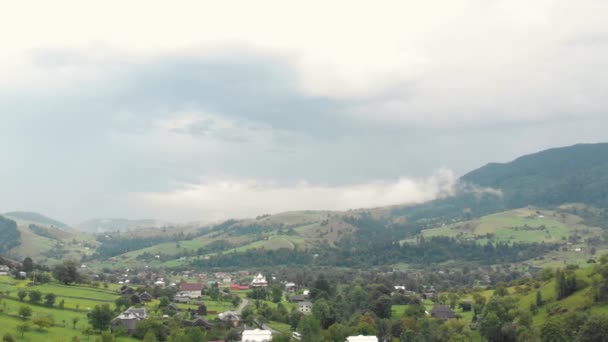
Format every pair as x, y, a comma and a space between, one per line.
297, 298
256, 335
4, 270
190, 290
237, 287
129, 318
362, 338
305, 307
145, 297
442, 312
259, 281
290, 287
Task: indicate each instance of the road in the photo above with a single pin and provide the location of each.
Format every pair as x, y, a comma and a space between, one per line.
243, 304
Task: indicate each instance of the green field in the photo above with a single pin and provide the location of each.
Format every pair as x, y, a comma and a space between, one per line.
81, 297
520, 225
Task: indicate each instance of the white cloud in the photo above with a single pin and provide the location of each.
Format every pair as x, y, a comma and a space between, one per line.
219, 199
442, 61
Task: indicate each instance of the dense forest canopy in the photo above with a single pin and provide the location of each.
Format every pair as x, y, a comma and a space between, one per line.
10, 236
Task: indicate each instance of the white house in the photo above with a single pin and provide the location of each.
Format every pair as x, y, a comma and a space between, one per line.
259, 281
190, 290
4, 270
362, 338
257, 335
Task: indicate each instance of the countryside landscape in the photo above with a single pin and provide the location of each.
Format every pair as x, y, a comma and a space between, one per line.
498, 269
304, 171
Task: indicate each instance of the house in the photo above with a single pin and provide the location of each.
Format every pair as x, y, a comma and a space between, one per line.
297, 298
4, 270
305, 307
160, 283
129, 318
290, 287
191, 290
180, 299
236, 287
442, 312
362, 338
127, 291
257, 335
198, 322
145, 297
259, 281
172, 307
21, 275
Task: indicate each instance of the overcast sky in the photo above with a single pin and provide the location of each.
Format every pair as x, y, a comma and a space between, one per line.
206, 110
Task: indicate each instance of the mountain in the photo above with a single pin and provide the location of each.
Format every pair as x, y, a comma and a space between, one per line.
116, 224
26, 217
577, 173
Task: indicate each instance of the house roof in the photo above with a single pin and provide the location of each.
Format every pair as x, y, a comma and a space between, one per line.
257, 335
191, 287
442, 312
305, 304
362, 338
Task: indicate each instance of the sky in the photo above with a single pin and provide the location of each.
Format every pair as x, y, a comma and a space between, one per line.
207, 110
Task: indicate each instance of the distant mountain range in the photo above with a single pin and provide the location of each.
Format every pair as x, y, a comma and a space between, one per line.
547, 179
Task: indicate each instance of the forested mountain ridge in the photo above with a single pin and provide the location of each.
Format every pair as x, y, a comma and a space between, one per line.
575, 174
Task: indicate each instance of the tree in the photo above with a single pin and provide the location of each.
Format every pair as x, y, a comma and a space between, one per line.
539, 299
23, 328
553, 331
276, 294
323, 313
28, 265
100, 317
8, 338
21, 294
106, 336
595, 329
42, 322
310, 329
66, 272
49, 299
35, 297
382, 307
75, 321
150, 337
25, 312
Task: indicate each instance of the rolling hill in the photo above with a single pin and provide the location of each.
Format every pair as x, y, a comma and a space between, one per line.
103, 225
523, 209
35, 218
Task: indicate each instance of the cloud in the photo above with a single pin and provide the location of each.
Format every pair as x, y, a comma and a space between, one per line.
219, 199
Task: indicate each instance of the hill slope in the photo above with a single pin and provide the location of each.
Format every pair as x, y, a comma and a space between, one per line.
35, 218
570, 174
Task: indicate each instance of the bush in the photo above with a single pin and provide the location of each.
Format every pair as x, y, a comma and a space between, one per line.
8, 338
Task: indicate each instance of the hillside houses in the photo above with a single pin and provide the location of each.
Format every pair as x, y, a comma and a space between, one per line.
129, 319
259, 281
190, 290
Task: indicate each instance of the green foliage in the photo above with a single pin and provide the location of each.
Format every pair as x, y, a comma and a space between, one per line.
35, 296
66, 272
310, 329
7, 337
42, 322
100, 317
10, 236
25, 311
21, 294
595, 329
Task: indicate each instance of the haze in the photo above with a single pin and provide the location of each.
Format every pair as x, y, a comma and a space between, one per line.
206, 110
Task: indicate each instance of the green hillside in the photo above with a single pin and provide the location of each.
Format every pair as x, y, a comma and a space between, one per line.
570, 174
35, 218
